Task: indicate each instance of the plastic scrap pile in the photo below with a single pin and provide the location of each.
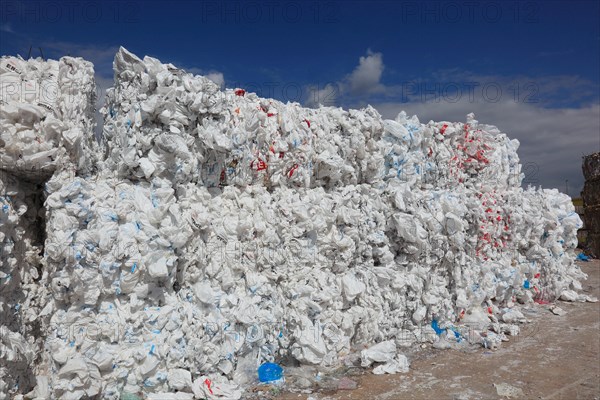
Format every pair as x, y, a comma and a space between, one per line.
162, 122
46, 113
19, 270
223, 231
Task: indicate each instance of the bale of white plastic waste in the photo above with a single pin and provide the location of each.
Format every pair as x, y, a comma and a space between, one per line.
111, 244
145, 279
222, 231
47, 116
163, 122
446, 154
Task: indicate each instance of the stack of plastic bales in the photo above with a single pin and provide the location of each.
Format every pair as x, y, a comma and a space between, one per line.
163, 122
591, 199
223, 231
46, 123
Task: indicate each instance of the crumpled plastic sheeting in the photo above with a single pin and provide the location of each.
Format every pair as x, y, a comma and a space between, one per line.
214, 284
446, 154
172, 269
47, 116
111, 265
156, 312
161, 121
19, 258
548, 238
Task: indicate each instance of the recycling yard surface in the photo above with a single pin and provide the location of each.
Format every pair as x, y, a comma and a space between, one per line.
554, 357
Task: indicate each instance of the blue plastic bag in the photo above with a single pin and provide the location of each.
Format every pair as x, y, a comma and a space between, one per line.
436, 328
270, 372
582, 257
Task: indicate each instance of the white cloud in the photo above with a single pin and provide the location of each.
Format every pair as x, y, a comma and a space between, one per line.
366, 77
548, 90
363, 81
326, 96
217, 77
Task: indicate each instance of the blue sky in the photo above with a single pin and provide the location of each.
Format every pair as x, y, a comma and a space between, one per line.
531, 68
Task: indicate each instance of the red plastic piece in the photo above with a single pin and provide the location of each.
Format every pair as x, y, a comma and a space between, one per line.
294, 168
260, 165
208, 383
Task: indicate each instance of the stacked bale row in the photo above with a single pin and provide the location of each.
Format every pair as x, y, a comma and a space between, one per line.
46, 124
591, 199
221, 230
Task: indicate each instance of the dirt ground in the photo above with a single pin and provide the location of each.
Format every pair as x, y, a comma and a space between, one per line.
555, 357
